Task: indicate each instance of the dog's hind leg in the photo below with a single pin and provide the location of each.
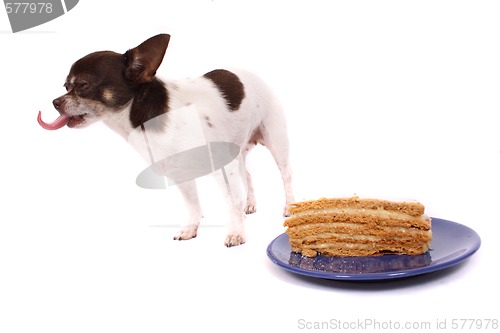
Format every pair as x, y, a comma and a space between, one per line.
283, 163
189, 228
275, 138
251, 205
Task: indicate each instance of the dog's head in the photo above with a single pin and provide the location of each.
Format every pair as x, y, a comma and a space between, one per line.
105, 82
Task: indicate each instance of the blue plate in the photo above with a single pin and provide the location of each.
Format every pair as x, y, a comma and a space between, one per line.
451, 244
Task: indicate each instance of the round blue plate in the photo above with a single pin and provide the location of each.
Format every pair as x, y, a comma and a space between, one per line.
451, 244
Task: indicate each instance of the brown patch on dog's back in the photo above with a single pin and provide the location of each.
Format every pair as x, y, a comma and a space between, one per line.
229, 85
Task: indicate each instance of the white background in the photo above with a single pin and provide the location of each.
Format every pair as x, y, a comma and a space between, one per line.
383, 98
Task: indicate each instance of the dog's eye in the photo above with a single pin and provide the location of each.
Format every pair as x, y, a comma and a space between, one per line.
81, 85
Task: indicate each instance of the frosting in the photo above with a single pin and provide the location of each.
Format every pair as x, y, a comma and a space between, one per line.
360, 211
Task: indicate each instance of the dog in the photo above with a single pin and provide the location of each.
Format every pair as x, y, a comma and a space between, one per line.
234, 106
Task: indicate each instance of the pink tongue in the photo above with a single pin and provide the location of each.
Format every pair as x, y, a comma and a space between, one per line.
56, 124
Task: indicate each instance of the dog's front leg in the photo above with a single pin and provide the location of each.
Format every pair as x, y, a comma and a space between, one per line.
189, 228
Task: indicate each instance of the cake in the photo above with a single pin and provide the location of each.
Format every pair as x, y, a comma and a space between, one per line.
358, 227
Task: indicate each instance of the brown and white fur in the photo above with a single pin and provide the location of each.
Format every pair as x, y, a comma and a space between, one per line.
234, 106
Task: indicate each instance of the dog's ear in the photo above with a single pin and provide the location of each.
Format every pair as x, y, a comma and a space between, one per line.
142, 61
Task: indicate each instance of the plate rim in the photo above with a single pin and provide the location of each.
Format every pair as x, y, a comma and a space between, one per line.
476, 244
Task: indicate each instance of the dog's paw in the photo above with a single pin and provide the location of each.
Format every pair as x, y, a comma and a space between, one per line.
250, 209
187, 233
234, 240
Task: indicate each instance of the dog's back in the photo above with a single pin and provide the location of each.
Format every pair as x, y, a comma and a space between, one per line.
227, 114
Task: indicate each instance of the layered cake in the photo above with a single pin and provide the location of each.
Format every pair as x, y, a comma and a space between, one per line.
358, 227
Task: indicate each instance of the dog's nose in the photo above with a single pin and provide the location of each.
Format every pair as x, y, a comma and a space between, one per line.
58, 103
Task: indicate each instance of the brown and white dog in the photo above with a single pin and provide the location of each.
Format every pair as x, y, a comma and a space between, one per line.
233, 106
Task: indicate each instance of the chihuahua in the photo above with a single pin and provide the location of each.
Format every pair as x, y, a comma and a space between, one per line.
233, 106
